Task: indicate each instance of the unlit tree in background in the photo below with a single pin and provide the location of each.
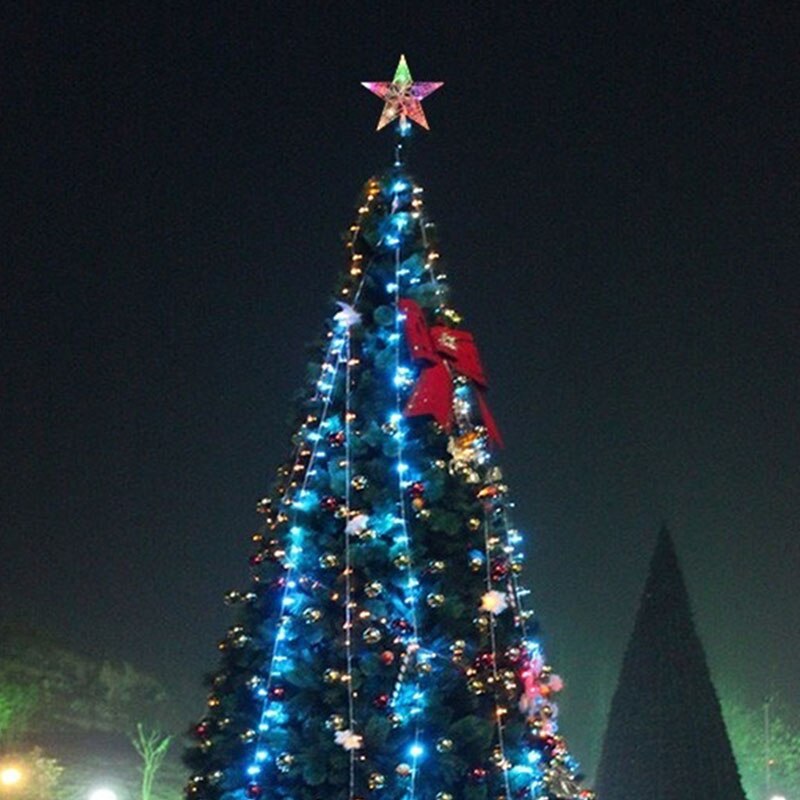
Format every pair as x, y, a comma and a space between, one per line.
766, 745
152, 746
18, 703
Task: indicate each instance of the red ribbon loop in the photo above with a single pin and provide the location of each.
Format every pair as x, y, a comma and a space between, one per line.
442, 351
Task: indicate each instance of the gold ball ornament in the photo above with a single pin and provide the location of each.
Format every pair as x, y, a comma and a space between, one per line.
436, 566
482, 622
312, 615
403, 770
329, 561
435, 600
376, 780
474, 524
373, 589
444, 745
444, 796
457, 649
331, 676
402, 561
335, 722
372, 635
284, 762
359, 482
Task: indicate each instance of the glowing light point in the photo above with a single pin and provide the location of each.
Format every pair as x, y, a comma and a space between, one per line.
10, 776
103, 794
402, 97
416, 750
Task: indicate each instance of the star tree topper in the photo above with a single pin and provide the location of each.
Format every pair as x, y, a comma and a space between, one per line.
403, 96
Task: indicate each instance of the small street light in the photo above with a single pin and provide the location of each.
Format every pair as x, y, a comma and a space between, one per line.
11, 776
103, 793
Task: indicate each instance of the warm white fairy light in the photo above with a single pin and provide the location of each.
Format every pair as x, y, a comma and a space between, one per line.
499, 710
348, 571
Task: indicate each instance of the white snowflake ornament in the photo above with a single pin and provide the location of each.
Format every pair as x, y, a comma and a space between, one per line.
347, 316
358, 524
349, 740
494, 602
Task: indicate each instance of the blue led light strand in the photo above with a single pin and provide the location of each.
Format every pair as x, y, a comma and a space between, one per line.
412, 583
255, 768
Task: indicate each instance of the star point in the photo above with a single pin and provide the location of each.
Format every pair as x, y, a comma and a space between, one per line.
402, 96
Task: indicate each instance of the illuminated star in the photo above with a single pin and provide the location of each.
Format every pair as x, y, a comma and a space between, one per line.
402, 96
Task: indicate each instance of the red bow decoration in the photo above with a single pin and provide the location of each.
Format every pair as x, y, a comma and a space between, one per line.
443, 351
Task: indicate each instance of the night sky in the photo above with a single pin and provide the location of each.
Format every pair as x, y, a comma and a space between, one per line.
616, 192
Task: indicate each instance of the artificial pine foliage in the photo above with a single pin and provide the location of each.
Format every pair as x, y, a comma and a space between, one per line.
382, 648
666, 739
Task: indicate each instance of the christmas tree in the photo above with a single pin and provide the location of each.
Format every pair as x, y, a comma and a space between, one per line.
666, 739
383, 649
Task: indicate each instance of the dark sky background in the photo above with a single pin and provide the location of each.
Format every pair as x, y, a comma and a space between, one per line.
616, 192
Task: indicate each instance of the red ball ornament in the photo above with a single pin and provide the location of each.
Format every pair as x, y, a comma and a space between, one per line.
202, 729
255, 559
486, 660
336, 439
499, 570
417, 489
277, 693
387, 658
477, 774
546, 744
329, 503
254, 790
381, 701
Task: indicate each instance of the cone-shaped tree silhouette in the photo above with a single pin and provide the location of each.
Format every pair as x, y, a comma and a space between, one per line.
666, 739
